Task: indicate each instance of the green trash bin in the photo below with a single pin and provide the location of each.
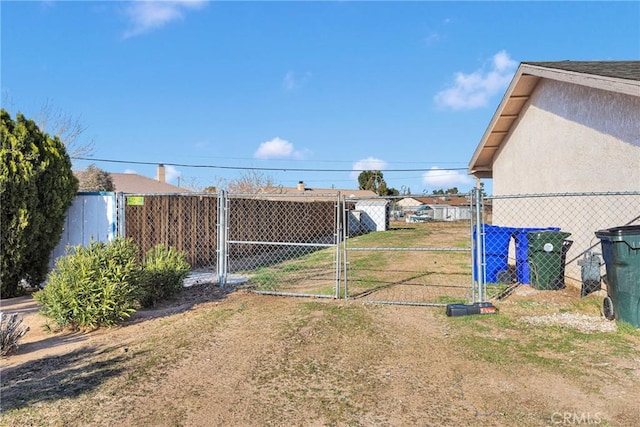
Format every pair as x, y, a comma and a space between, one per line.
621, 253
546, 259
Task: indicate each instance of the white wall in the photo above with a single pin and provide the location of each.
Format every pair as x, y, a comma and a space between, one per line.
374, 215
91, 216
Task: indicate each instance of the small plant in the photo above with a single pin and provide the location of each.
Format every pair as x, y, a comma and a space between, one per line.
163, 274
92, 286
10, 332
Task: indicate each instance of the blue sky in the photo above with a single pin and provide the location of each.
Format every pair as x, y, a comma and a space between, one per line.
327, 88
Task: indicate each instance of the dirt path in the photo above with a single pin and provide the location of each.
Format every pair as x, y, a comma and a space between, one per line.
244, 359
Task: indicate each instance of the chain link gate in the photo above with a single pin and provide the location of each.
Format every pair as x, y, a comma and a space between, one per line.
282, 244
325, 246
420, 257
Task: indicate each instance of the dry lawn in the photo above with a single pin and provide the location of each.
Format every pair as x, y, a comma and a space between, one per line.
237, 359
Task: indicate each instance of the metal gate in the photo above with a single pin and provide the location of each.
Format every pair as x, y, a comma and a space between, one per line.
314, 245
407, 257
281, 244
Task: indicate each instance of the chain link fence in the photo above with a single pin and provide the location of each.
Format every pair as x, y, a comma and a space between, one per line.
284, 244
375, 249
548, 240
395, 255
309, 244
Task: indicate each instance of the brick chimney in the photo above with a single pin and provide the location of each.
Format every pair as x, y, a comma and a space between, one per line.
300, 186
160, 174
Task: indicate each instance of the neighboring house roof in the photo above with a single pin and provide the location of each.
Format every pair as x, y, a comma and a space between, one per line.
134, 183
613, 76
441, 200
302, 189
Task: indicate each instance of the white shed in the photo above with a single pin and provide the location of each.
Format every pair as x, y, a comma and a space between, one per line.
369, 215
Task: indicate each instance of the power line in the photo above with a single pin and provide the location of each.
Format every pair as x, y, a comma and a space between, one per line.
283, 169
297, 160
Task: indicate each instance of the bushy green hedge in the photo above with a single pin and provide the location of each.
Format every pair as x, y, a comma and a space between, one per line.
163, 274
103, 283
93, 286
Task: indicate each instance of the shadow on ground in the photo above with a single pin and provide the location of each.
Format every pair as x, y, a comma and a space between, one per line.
58, 377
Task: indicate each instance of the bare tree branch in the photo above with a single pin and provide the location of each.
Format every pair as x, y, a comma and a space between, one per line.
69, 129
250, 182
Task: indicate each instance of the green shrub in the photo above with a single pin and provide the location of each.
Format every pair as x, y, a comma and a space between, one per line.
93, 286
163, 273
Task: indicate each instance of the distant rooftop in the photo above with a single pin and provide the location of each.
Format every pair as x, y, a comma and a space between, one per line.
302, 189
134, 183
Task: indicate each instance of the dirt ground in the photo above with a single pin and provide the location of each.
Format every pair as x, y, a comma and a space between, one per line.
212, 358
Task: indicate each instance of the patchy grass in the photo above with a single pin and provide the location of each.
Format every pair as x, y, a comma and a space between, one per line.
287, 361
508, 343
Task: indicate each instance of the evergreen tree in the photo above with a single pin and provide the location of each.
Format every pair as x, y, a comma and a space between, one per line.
371, 180
37, 187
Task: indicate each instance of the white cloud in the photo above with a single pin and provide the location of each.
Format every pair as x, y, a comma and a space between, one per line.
130, 171
146, 15
432, 38
441, 179
279, 148
291, 81
171, 173
474, 90
368, 164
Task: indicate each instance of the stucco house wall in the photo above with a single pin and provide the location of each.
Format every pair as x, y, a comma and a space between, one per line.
571, 138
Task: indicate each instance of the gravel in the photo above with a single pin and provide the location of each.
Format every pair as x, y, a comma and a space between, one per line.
582, 322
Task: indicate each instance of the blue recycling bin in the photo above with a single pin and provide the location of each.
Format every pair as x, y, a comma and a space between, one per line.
520, 236
496, 251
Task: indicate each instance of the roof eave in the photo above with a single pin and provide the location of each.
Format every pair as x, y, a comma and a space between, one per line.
522, 85
485, 169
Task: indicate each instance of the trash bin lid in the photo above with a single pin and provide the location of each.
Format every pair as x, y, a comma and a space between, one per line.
621, 234
547, 235
619, 231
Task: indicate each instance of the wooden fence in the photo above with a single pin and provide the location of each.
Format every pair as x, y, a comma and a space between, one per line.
189, 223
186, 222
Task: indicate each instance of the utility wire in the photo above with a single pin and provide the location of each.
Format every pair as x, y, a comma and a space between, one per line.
185, 165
